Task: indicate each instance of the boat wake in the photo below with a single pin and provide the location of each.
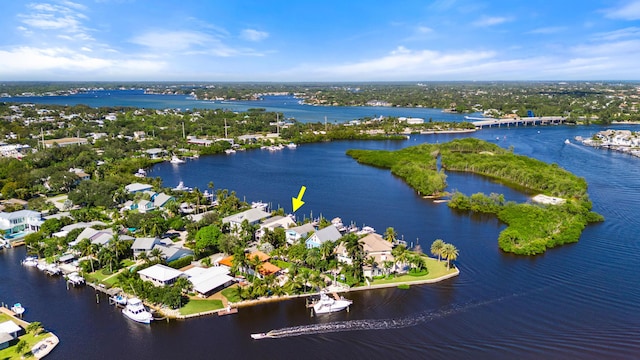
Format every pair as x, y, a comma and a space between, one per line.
382, 324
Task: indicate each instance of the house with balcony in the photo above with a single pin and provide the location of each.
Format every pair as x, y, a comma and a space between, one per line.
17, 224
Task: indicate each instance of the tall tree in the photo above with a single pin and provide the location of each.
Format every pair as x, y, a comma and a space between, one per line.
450, 252
436, 248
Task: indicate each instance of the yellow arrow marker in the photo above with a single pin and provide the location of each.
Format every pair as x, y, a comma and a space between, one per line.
297, 202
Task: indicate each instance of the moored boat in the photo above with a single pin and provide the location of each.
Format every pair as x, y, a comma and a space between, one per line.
327, 304
136, 311
30, 261
18, 309
176, 160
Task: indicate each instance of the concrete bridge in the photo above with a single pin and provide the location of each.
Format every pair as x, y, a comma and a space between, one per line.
480, 123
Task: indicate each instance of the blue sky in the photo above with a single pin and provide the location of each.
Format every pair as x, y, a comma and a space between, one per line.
329, 40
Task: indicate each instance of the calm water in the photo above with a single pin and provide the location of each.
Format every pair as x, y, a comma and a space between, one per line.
577, 301
288, 105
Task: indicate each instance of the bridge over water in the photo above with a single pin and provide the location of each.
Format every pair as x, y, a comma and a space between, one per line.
480, 123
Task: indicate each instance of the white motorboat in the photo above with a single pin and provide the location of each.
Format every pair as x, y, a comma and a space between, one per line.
327, 304
136, 311
75, 279
17, 309
181, 187
230, 151
30, 261
141, 173
566, 141
120, 300
176, 160
292, 146
258, 336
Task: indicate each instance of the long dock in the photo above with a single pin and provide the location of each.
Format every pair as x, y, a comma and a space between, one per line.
480, 123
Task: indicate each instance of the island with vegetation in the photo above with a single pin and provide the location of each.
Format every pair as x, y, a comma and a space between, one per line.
531, 228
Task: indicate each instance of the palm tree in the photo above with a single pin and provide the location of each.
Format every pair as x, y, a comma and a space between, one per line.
107, 257
450, 252
144, 257
239, 261
436, 248
400, 254
256, 264
356, 253
326, 249
390, 235
371, 261
156, 254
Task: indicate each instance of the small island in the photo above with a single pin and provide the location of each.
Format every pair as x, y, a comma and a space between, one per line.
531, 228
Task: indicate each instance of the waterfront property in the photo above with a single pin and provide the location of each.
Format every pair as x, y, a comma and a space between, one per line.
330, 233
160, 275
65, 142
207, 281
8, 332
138, 187
274, 223
374, 246
16, 224
252, 216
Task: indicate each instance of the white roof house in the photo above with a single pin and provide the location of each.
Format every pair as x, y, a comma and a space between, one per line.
274, 223
20, 221
253, 216
137, 187
209, 280
10, 328
144, 244
160, 275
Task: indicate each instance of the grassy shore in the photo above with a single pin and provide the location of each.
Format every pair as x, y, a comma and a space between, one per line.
199, 306
437, 269
30, 339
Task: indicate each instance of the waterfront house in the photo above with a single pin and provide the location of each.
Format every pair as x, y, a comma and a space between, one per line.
9, 331
144, 244
265, 267
294, 234
160, 275
252, 216
137, 187
274, 223
373, 245
155, 153
18, 223
330, 233
207, 281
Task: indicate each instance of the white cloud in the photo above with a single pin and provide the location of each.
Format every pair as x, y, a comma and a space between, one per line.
630, 32
423, 30
548, 30
172, 40
34, 63
254, 35
629, 10
402, 62
491, 21
63, 19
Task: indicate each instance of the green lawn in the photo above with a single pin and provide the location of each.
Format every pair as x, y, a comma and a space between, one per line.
436, 270
198, 306
10, 352
231, 294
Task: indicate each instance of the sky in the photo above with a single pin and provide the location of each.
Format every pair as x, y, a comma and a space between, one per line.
329, 40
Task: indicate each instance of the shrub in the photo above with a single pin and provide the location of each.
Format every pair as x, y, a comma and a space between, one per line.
180, 263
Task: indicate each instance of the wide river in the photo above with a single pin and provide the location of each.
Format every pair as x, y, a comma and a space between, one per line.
576, 301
